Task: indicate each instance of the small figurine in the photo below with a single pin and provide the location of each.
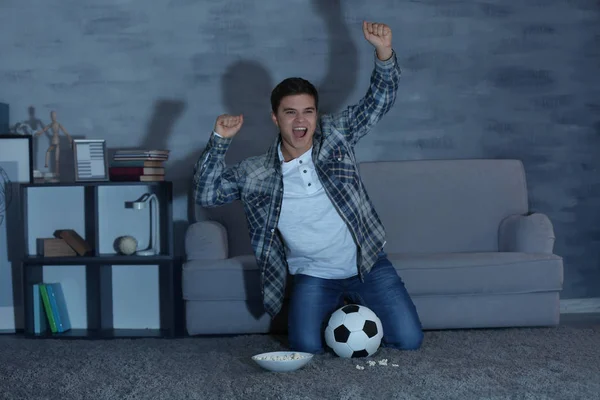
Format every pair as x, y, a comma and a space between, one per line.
55, 141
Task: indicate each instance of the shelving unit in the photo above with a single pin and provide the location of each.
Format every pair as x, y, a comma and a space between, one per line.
99, 264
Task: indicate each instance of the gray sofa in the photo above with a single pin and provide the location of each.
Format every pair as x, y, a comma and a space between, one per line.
459, 232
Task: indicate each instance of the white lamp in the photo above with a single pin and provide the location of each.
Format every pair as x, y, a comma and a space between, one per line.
144, 202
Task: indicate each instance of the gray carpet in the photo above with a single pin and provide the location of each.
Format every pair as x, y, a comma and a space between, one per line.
540, 363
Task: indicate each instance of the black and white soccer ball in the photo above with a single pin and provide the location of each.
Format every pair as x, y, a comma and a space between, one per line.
354, 331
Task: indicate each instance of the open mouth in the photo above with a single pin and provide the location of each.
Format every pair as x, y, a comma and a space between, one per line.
299, 133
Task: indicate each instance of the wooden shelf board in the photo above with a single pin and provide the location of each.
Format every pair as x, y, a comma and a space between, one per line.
101, 334
100, 259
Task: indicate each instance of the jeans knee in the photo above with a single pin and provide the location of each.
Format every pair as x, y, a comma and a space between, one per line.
408, 342
414, 342
307, 346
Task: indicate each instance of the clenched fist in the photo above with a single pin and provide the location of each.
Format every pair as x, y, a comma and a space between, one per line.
380, 36
228, 125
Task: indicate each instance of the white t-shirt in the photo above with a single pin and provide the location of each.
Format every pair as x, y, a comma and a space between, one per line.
317, 240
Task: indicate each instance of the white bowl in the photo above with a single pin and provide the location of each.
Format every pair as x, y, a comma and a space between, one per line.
282, 361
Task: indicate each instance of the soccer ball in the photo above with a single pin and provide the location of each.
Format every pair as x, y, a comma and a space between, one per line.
354, 331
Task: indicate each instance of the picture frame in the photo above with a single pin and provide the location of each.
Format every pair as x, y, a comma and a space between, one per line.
18, 148
90, 160
16, 169
16, 166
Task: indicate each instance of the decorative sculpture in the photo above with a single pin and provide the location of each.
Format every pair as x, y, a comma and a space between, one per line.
56, 127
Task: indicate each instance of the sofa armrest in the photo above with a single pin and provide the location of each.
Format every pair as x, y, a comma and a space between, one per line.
529, 233
206, 240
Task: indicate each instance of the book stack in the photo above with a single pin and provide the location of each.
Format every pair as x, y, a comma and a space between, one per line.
50, 308
138, 165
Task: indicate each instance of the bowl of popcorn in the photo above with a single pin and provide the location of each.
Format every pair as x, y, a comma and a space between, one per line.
282, 361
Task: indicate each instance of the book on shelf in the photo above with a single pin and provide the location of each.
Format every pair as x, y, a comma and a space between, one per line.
132, 155
136, 171
137, 178
138, 165
139, 158
146, 152
40, 324
50, 308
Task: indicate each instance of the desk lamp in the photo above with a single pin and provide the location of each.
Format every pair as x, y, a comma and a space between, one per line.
144, 202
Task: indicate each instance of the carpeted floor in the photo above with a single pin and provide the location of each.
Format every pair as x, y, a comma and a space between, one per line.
541, 363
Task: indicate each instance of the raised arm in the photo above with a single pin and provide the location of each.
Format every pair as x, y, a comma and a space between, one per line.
214, 183
357, 120
43, 130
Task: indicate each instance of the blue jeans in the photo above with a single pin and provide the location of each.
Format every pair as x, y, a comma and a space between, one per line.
314, 299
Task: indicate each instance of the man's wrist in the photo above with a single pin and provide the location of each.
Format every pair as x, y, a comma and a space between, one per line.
384, 53
385, 65
218, 143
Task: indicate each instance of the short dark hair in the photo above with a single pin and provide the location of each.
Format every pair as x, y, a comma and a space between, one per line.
290, 87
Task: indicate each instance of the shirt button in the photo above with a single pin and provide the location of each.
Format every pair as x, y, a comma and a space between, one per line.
340, 159
272, 230
304, 171
309, 184
300, 161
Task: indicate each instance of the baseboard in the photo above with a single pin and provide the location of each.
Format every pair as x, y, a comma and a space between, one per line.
7, 319
579, 306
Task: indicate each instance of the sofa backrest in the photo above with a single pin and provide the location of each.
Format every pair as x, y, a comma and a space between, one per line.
430, 206
425, 205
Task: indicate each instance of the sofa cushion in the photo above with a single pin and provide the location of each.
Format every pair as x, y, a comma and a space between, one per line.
531, 233
206, 240
478, 273
238, 278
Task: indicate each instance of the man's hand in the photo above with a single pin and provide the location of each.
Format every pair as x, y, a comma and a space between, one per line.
380, 36
228, 125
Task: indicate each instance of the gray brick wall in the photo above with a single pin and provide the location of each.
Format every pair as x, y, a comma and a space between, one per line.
509, 78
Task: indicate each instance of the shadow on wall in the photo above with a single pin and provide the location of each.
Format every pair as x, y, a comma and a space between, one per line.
247, 87
158, 131
30, 125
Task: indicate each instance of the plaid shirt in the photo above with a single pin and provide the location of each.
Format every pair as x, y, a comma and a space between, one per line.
258, 183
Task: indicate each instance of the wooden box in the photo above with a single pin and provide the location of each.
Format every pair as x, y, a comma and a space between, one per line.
52, 247
73, 239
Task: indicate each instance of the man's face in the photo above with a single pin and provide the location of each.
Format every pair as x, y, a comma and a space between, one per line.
296, 119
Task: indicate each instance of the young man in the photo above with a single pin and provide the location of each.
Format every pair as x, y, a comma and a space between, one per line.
307, 210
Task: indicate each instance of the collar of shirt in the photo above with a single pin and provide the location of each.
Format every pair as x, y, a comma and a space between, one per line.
305, 158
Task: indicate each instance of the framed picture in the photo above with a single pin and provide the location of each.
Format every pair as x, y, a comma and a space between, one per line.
16, 168
90, 160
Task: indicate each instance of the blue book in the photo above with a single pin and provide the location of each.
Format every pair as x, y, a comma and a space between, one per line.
39, 316
59, 306
54, 307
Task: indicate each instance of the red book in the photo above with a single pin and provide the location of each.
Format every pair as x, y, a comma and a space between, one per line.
136, 178
136, 171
